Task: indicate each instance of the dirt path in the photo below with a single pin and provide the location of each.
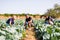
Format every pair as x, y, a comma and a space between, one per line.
30, 34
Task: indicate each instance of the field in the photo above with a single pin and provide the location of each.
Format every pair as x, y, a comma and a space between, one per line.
14, 32
40, 31
44, 13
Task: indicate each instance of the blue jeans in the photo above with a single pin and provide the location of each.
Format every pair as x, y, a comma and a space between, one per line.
26, 23
46, 22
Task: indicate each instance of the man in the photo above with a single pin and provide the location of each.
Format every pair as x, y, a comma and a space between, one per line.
49, 20
28, 21
10, 21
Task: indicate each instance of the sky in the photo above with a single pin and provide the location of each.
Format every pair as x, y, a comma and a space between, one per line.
26, 6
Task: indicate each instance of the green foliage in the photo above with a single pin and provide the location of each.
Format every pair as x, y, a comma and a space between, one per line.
47, 31
23, 14
55, 12
14, 32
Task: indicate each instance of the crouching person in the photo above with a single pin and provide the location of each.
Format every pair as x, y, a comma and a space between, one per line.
10, 21
28, 22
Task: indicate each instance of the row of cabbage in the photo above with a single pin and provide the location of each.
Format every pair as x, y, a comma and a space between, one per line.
17, 31
46, 31
14, 32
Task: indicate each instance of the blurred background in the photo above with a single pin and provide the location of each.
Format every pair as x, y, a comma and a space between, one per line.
35, 8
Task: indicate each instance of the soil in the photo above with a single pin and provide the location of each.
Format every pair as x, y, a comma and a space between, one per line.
19, 17
23, 17
30, 34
